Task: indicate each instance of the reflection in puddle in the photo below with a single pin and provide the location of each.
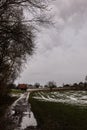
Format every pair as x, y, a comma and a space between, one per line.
28, 120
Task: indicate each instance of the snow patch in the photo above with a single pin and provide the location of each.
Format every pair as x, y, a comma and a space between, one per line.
71, 97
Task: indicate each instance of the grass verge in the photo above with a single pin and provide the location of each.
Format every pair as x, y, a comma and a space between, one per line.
16, 91
5, 102
58, 116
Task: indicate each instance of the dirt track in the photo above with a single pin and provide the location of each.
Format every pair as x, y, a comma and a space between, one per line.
19, 115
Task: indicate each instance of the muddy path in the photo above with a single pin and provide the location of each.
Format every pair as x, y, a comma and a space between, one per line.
19, 115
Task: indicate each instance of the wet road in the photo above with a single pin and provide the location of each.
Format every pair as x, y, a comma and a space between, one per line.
19, 116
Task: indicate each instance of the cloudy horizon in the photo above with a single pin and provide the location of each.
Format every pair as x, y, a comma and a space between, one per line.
61, 49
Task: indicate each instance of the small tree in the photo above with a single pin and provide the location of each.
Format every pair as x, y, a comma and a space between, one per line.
85, 84
86, 78
51, 85
46, 86
37, 85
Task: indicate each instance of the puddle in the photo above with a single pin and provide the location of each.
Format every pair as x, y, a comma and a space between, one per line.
28, 120
20, 115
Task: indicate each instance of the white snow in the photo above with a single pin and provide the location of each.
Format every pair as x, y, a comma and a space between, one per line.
71, 97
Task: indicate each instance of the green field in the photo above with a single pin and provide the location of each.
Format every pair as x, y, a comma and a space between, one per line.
16, 91
57, 115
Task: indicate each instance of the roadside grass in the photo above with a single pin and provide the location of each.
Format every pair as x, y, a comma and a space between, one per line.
8, 100
5, 102
16, 91
58, 116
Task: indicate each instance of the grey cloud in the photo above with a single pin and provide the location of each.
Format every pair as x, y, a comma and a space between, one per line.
61, 51
72, 11
70, 18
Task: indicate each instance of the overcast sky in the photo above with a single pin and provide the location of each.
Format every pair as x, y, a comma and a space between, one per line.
61, 53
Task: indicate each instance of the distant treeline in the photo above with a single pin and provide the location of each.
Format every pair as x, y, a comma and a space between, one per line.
76, 86
51, 86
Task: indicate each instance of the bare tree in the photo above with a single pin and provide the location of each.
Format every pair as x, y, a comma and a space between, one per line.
51, 85
86, 78
37, 85
17, 36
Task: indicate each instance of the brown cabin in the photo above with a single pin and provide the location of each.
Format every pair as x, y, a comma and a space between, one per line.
22, 86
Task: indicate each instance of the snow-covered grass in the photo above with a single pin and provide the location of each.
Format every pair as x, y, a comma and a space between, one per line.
70, 97
54, 110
